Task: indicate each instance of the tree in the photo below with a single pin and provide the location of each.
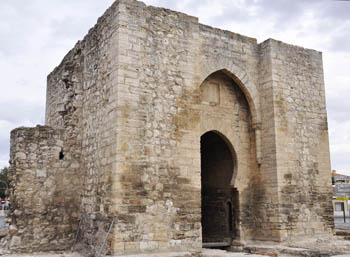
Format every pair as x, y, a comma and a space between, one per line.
3, 182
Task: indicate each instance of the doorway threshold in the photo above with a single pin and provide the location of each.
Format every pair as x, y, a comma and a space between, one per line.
216, 244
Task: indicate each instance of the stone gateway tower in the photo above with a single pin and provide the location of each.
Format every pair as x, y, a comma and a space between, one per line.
184, 135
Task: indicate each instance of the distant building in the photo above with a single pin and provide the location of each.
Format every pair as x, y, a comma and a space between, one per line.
341, 197
339, 178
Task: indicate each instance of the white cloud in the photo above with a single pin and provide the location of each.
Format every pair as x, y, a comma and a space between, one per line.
35, 37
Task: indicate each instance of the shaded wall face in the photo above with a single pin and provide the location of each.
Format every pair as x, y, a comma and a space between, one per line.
81, 98
216, 172
80, 107
224, 109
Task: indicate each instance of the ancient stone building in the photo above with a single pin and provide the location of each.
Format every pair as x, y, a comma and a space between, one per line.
182, 134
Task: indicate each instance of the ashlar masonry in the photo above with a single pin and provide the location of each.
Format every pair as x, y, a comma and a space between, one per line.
184, 135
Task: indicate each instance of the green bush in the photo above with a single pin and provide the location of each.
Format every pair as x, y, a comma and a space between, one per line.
3, 182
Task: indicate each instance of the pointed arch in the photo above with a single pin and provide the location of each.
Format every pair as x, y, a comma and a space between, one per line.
217, 169
245, 83
241, 78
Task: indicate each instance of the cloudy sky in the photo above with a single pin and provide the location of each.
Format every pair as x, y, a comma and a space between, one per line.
35, 35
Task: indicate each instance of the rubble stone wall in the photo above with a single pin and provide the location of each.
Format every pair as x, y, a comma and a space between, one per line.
81, 98
81, 107
44, 205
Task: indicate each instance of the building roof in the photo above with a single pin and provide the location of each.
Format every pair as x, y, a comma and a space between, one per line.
335, 174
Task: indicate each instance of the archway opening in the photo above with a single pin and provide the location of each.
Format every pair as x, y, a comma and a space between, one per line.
219, 203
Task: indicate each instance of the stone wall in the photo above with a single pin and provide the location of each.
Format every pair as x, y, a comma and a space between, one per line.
165, 58
81, 98
81, 107
229, 115
44, 203
130, 103
303, 165
156, 182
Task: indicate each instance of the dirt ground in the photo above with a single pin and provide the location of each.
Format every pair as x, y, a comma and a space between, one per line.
338, 245
44, 255
205, 253
209, 253
330, 243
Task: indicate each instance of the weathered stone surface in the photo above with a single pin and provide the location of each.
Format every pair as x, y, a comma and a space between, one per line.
127, 109
45, 196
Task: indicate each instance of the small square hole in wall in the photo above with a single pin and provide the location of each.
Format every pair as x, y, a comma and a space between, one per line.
61, 155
